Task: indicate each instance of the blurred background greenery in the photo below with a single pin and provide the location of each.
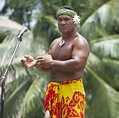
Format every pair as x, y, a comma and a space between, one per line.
25, 88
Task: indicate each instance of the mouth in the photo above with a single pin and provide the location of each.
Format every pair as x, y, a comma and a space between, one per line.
63, 28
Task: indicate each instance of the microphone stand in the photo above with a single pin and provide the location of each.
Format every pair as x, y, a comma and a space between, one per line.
2, 79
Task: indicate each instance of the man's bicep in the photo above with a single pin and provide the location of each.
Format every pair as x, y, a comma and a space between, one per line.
80, 51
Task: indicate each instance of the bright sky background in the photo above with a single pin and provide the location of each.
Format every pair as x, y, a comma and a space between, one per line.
2, 2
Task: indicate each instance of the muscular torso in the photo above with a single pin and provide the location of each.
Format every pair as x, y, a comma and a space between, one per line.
63, 53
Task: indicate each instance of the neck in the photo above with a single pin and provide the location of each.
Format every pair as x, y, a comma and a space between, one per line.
67, 36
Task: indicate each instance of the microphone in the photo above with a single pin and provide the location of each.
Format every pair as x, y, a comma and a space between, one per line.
25, 29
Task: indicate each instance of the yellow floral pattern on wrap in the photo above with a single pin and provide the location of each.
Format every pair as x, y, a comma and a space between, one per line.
65, 99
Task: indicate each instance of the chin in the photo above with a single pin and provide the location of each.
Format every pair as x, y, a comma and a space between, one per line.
64, 31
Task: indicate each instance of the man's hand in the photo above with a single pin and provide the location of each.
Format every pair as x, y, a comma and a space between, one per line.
28, 61
44, 61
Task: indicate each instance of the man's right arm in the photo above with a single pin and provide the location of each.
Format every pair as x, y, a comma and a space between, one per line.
28, 61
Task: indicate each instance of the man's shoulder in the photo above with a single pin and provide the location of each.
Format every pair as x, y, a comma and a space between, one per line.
55, 41
59, 38
81, 39
81, 42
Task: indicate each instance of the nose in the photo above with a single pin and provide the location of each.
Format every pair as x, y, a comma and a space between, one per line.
63, 22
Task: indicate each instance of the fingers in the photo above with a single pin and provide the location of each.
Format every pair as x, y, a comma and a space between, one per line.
37, 65
40, 57
25, 65
28, 56
23, 61
24, 58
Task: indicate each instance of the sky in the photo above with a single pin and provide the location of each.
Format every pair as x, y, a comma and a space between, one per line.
2, 2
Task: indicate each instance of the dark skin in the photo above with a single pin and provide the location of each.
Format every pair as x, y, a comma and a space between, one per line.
67, 62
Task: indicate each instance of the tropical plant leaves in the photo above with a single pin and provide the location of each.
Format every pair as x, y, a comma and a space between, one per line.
106, 47
101, 22
104, 99
15, 92
34, 99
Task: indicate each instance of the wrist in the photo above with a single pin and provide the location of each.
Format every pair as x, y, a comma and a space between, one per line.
52, 63
36, 62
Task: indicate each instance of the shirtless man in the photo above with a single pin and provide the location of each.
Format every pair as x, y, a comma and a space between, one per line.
65, 96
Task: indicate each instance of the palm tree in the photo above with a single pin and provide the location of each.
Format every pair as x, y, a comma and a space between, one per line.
103, 64
99, 25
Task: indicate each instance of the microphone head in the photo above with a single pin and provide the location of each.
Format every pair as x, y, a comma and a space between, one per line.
25, 29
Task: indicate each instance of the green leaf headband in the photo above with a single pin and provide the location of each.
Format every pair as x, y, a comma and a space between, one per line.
76, 18
66, 12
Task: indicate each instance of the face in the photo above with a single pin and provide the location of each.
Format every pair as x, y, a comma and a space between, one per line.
65, 24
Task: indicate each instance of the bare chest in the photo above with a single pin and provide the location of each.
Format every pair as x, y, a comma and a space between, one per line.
62, 53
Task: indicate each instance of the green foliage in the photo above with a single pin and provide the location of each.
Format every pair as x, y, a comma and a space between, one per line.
7, 34
14, 95
32, 105
101, 22
103, 99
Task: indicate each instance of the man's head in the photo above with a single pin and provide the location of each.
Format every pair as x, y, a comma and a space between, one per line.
67, 19
68, 10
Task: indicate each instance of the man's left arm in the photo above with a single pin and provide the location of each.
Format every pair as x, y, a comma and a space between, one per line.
79, 58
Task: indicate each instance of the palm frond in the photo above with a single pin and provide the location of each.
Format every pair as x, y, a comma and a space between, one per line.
106, 47
100, 91
101, 22
106, 68
6, 22
22, 4
34, 99
111, 66
86, 8
15, 92
9, 42
48, 23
